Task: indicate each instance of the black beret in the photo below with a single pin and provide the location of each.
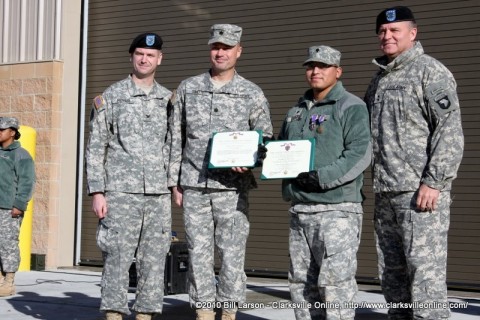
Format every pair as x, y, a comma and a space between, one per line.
394, 14
148, 40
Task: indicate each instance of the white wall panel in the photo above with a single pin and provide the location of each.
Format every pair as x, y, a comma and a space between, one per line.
30, 30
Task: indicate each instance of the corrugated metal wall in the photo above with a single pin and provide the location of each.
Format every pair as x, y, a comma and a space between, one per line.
276, 36
30, 30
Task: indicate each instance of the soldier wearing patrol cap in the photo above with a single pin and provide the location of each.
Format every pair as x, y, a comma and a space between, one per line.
10, 123
417, 149
17, 180
127, 158
228, 34
215, 201
326, 202
324, 55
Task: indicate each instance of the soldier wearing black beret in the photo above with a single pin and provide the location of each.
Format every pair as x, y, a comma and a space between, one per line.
127, 156
417, 140
395, 14
147, 40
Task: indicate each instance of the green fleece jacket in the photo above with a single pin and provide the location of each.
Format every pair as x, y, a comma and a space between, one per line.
17, 177
342, 145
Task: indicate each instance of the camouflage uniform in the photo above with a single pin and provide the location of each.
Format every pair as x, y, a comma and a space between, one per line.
9, 249
127, 158
323, 244
16, 187
417, 138
215, 200
325, 225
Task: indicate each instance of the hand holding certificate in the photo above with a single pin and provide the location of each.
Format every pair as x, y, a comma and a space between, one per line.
286, 159
234, 149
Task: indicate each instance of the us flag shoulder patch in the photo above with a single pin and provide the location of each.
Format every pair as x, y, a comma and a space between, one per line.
98, 102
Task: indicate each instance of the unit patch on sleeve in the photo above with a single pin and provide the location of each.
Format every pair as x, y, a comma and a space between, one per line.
443, 102
98, 102
442, 99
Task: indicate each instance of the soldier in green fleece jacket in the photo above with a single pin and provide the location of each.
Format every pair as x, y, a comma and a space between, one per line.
17, 178
326, 203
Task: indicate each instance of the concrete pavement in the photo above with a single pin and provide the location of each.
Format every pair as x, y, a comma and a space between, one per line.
74, 294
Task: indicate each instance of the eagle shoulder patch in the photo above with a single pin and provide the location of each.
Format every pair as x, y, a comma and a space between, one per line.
443, 99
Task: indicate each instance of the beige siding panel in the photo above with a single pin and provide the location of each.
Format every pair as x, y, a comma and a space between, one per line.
276, 36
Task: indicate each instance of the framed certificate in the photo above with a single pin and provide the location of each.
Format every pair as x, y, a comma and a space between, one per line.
287, 158
234, 149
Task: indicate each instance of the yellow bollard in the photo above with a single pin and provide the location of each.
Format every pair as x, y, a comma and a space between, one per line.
28, 141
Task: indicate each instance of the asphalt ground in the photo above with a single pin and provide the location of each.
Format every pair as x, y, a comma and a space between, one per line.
74, 294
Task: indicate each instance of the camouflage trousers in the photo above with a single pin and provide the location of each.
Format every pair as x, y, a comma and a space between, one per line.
323, 263
9, 232
412, 254
134, 222
216, 218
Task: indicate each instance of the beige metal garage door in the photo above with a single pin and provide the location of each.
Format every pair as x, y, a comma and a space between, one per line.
276, 35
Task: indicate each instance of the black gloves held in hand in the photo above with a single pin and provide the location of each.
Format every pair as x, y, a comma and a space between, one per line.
261, 154
262, 151
308, 181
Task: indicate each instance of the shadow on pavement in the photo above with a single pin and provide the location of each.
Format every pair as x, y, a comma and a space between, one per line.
74, 306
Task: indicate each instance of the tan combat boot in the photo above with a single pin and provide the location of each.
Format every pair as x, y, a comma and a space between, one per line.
2, 278
228, 316
205, 314
144, 316
113, 315
7, 288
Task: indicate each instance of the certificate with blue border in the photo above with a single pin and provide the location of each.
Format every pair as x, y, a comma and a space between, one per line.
234, 149
287, 158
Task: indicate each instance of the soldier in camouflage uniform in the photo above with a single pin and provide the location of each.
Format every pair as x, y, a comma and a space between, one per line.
215, 201
417, 149
127, 160
326, 211
17, 179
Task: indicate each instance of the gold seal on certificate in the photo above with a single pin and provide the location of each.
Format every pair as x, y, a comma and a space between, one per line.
234, 149
287, 158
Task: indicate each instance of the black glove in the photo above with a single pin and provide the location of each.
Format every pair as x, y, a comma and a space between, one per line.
308, 181
262, 151
261, 154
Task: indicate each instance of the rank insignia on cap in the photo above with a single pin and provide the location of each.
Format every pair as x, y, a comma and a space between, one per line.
391, 15
150, 40
443, 102
228, 34
98, 102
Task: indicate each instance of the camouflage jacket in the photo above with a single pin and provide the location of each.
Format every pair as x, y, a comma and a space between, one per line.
415, 122
342, 145
199, 111
129, 145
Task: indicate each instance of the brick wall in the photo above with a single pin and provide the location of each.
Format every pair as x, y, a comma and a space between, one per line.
32, 93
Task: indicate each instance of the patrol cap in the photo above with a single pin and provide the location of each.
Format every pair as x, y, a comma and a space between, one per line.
228, 34
7, 122
147, 40
324, 54
395, 14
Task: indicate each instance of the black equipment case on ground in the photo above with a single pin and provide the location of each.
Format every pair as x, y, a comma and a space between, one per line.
176, 270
